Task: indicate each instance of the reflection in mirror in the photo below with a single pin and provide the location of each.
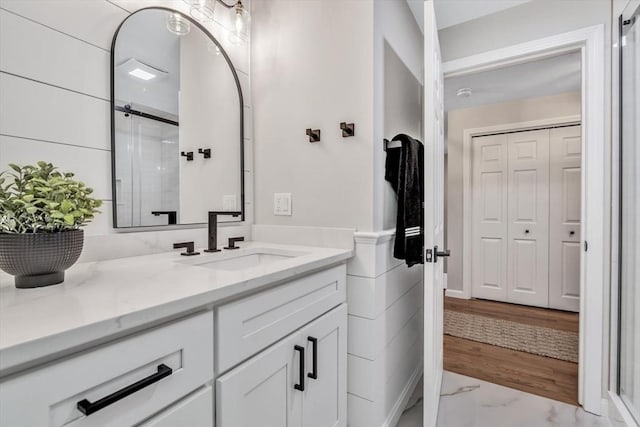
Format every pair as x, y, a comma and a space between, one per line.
176, 123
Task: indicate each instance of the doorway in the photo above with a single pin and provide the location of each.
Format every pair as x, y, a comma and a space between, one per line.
592, 284
520, 221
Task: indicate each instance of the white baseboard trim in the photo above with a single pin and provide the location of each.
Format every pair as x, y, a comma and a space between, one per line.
401, 403
456, 293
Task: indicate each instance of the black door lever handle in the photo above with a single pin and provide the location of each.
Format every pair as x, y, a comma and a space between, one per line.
437, 254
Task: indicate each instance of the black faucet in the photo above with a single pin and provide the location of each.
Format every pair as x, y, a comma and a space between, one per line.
232, 242
213, 228
189, 246
172, 215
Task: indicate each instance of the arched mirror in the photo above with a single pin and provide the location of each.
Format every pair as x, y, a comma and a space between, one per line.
176, 123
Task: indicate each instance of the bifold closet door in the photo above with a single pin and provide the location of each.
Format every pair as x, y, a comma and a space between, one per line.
490, 217
528, 235
564, 218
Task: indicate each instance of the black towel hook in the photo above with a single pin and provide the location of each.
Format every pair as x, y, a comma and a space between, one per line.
348, 129
314, 135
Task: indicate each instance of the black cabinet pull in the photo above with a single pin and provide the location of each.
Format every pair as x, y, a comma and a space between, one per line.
89, 408
314, 373
300, 386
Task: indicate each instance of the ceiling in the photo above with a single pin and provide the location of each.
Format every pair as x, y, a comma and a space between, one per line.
453, 12
543, 77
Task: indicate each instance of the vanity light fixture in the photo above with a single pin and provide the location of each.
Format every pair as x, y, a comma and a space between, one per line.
203, 10
177, 25
241, 24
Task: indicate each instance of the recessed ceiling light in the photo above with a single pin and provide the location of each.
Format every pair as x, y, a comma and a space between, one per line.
142, 74
464, 92
140, 70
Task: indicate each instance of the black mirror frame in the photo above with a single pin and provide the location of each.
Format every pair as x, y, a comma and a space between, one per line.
113, 116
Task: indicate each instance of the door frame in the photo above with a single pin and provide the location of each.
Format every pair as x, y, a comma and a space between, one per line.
593, 281
467, 187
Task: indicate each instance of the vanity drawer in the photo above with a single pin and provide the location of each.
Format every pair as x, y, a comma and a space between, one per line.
49, 396
246, 326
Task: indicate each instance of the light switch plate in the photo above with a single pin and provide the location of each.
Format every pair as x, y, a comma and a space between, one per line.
229, 203
282, 204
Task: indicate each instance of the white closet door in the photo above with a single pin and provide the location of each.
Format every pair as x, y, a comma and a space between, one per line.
564, 218
490, 217
528, 269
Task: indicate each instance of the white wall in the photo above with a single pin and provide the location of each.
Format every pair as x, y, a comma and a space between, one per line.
529, 21
497, 114
311, 68
314, 65
402, 114
207, 122
396, 33
54, 80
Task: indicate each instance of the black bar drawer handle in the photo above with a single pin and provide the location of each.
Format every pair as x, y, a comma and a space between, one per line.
314, 373
89, 408
300, 386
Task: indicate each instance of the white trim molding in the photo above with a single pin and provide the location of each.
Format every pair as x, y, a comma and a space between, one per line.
374, 237
593, 284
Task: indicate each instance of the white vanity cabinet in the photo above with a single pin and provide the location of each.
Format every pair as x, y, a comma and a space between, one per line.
275, 388
278, 352
122, 383
282, 355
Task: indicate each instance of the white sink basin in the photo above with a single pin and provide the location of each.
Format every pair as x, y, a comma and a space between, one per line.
244, 259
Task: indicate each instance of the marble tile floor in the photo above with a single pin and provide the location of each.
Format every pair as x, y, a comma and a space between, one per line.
468, 402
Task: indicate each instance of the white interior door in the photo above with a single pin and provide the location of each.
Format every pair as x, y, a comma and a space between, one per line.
564, 218
490, 217
433, 216
528, 181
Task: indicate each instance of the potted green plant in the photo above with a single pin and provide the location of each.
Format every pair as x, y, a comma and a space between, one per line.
41, 212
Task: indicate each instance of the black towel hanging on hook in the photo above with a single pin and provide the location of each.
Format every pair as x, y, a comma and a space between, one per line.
404, 170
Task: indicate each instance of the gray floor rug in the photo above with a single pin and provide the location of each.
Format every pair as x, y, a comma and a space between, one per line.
547, 342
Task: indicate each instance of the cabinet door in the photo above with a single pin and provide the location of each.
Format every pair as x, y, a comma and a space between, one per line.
260, 392
564, 218
195, 410
325, 396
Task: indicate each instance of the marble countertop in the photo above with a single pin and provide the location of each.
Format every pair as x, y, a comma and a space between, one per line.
106, 298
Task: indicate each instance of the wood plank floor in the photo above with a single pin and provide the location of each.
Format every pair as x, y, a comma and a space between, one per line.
554, 319
544, 376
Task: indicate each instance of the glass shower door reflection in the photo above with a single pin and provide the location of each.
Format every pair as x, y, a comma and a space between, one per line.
629, 334
147, 174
